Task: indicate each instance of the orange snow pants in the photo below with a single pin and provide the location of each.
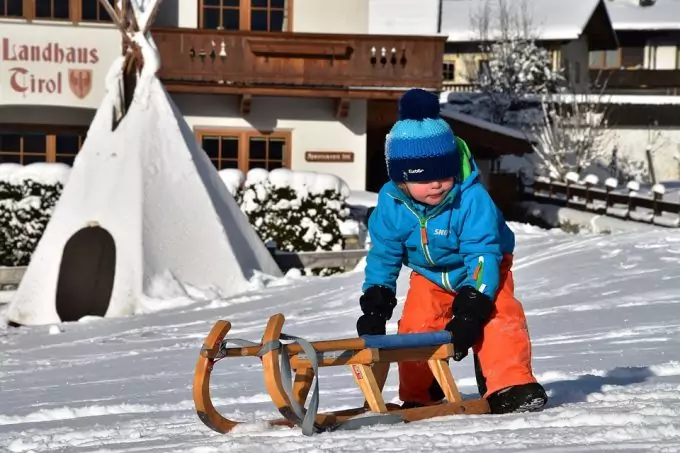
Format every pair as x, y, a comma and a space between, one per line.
504, 351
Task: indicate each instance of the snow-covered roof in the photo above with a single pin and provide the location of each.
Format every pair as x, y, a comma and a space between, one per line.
629, 15
633, 99
550, 19
449, 111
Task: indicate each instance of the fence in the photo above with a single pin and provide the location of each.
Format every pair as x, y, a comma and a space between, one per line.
11, 276
627, 205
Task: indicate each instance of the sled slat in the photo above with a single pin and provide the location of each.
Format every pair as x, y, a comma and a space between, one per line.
364, 356
442, 373
365, 379
412, 354
302, 384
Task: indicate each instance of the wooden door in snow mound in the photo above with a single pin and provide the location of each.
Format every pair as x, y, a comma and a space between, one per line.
86, 274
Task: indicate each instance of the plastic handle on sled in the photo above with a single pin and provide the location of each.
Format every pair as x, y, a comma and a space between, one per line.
408, 340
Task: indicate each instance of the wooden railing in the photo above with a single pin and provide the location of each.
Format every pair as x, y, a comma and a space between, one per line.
627, 205
459, 87
313, 60
636, 78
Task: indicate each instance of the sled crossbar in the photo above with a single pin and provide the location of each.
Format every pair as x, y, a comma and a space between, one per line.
290, 370
396, 341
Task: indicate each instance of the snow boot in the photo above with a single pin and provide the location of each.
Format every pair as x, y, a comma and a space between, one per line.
518, 398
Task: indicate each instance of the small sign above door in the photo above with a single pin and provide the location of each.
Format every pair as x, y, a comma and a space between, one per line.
329, 156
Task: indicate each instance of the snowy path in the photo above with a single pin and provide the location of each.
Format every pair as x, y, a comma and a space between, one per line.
603, 312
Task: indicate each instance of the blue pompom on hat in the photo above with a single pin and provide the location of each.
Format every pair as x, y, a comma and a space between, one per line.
421, 145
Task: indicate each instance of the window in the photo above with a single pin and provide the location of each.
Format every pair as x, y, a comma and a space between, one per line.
449, 71
245, 150
266, 152
632, 57
267, 15
66, 146
70, 10
11, 8
52, 9
483, 70
255, 15
28, 144
604, 59
23, 148
93, 11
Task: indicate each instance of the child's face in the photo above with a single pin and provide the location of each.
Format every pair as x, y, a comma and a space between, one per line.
430, 192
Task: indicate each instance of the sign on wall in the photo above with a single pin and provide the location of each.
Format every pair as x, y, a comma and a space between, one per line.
329, 156
59, 65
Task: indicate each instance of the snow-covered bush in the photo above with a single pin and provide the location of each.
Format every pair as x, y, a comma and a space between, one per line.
27, 198
298, 211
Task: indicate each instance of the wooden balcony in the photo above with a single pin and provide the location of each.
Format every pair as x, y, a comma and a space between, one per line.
636, 79
297, 64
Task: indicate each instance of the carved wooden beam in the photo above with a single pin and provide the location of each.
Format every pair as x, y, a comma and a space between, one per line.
245, 103
342, 107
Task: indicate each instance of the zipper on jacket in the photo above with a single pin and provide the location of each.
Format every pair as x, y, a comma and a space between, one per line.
423, 229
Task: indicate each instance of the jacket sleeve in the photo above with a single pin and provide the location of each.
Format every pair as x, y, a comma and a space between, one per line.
384, 259
480, 241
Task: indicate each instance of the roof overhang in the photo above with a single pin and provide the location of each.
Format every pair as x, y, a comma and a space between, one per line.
488, 140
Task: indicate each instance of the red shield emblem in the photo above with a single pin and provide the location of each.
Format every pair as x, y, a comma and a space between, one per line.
80, 82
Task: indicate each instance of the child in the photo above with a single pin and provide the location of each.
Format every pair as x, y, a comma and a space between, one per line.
436, 217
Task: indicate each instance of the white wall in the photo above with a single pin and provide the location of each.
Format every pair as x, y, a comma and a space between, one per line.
326, 16
403, 17
311, 121
55, 64
661, 56
187, 13
664, 143
576, 53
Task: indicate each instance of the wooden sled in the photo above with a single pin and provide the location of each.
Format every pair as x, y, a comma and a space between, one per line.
369, 359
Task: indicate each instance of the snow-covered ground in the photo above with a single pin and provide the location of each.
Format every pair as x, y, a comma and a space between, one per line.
603, 311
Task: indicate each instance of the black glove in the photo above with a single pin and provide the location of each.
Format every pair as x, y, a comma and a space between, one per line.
471, 311
371, 325
377, 304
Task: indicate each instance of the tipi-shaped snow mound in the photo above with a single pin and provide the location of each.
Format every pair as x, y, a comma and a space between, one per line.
142, 201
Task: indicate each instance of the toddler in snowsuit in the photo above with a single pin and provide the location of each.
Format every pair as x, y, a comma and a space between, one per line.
436, 217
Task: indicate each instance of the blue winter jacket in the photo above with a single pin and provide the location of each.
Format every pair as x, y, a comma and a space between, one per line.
459, 242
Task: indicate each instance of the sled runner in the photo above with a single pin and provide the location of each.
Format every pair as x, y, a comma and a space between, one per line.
291, 374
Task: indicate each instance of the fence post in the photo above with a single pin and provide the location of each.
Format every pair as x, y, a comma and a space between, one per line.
633, 188
590, 181
658, 191
609, 185
571, 177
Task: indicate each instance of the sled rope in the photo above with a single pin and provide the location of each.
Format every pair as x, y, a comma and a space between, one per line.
306, 419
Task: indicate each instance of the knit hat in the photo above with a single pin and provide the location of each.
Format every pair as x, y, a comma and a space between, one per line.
421, 145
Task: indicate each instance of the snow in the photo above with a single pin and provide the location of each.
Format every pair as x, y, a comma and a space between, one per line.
172, 218
550, 20
232, 179
629, 15
40, 172
362, 198
602, 312
450, 112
